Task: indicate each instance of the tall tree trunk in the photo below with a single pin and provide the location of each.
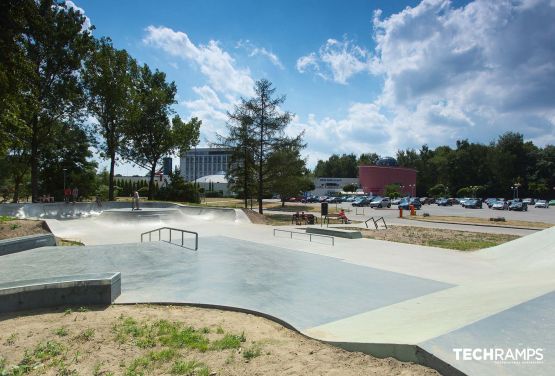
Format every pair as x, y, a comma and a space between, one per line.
111, 177
151, 182
245, 180
17, 184
260, 159
35, 162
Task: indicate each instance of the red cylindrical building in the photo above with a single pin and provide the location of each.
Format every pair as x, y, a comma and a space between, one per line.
373, 179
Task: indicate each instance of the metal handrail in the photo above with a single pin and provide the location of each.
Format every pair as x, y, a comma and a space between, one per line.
375, 221
304, 233
170, 232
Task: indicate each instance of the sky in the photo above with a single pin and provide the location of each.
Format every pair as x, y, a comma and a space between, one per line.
360, 76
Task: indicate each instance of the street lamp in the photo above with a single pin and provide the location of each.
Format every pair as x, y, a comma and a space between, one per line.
515, 189
65, 169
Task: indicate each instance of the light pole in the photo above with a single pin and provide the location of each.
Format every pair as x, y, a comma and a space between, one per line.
401, 187
65, 169
515, 190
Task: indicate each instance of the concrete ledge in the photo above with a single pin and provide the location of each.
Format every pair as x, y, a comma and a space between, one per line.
89, 289
349, 234
24, 243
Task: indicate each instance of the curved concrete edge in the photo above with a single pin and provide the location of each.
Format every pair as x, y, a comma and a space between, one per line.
24, 243
401, 352
61, 210
83, 290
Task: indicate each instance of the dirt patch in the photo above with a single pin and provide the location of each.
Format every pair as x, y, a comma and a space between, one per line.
22, 227
483, 221
156, 340
442, 238
255, 217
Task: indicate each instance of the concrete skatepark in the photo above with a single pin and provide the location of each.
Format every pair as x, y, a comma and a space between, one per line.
412, 302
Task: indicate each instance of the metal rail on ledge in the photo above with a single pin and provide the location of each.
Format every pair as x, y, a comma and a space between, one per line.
170, 229
304, 233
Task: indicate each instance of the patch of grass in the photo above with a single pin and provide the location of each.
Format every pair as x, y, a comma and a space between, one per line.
86, 335
185, 338
6, 218
48, 350
252, 352
68, 311
190, 368
61, 332
14, 226
442, 238
220, 330
138, 366
69, 243
11, 339
290, 208
229, 341
484, 221
278, 219
462, 245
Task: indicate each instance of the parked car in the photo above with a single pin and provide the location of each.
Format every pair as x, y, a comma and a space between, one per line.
518, 206
529, 201
361, 201
380, 202
474, 203
490, 201
500, 205
322, 198
310, 199
551, 203
396, 201
541, 204
444, 202
334, 200
406, 202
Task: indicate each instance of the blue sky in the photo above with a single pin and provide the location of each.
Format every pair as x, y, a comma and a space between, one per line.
360, 76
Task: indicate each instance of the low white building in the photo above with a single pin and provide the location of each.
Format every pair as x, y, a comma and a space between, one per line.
215, 183
327, 186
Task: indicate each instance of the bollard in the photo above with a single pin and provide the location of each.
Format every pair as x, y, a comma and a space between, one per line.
400, 212
412, 211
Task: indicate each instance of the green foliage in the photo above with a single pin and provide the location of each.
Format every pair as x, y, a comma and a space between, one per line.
287, 172
255, 132
494, 167
252, 352
178, 189
190, 368
229, 341
392, 190
438, 190
62, 332
108, 78
350, 188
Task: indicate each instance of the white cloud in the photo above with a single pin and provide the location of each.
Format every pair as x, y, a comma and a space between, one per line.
87, 24
260, 51
336, 60
216, 64
449, 73
470, 70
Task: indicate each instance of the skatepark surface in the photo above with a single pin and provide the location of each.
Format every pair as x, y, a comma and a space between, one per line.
390, 299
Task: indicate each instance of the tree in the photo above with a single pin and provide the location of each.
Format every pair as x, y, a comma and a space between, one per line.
437, 190
241, 143
369, 159
150, 133
288, 175
392, 190
344, 166
53, 45
268, 123
350, 188
108, 78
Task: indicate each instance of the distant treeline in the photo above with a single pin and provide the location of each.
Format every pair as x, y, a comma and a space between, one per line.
469, 168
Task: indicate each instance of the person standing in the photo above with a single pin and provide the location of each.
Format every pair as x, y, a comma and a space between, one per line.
75, 193
135, 200
67, 195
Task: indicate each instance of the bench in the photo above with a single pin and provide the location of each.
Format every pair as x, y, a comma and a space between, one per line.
76, 290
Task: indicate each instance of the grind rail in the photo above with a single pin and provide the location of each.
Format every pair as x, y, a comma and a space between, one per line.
375, 221
304, 233
170, 229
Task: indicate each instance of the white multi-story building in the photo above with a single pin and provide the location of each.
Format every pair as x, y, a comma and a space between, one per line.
200, 162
